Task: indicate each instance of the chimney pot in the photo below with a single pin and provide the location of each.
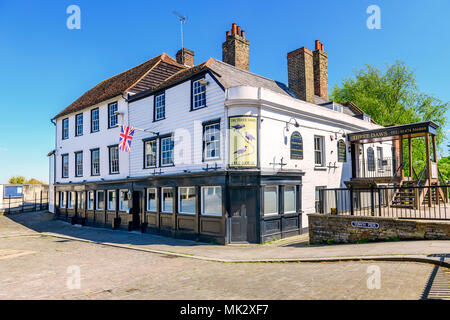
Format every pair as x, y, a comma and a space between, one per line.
238, 30
321, 46
233, 28
243, 34
317, 45
227, 34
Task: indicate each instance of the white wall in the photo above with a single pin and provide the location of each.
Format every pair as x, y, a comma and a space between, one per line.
186, 125
101, 139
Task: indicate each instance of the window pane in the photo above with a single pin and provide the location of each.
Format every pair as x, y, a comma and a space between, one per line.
167, 200
62, 199
90, 200
270, 200
80, 200
212, 141
199, 95
111, 200
160, 104
151, 199
212, 201
112, 108
289, 199
95, 162
167, 151
114, 159
95, 122
100, 200
123, 200
150, 153
79, 124
187, 200
79, 164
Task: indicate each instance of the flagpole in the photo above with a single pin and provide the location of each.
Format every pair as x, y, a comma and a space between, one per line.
145, 130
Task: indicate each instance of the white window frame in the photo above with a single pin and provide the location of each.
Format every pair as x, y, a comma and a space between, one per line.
203, 204
95, 122
80, 204
156, 199
109, 208
216, 143
96, 200
179, 200
91, 206
321, 150
277, 201
70, 200
64, 167
295, 199
162, 199
121, 201
62, 204
93, 163
160, 105
198, 90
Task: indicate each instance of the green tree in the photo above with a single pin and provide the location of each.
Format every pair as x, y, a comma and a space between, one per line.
391, 97
17, 180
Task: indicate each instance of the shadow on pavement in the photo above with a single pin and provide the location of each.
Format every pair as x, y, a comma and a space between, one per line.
45, 222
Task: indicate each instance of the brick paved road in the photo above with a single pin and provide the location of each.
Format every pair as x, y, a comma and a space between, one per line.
36, 268
33, 266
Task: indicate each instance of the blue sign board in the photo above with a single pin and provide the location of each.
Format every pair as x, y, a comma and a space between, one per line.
13, 191
363, 224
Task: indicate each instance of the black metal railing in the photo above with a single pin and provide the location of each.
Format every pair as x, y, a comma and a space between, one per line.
35, 202
378, 168
411, 202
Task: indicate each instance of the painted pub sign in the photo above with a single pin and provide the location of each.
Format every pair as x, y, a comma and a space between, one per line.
243, 141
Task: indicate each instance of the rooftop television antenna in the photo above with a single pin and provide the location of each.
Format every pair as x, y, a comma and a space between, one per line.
183, 20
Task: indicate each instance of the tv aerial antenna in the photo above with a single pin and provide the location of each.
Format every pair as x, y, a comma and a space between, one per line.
183, 20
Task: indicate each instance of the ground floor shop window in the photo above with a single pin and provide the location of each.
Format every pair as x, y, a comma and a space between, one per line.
151, 199
270, 200
123, 200
111, 200
62, 199
80, 200
167, 200
186, 200
90, 205
100, 200
290, 199
212, 201
70, 200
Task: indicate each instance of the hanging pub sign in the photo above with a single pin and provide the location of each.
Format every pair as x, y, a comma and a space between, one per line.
243, 141
296, 146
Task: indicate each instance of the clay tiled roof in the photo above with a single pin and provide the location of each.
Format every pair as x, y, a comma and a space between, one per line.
151, 73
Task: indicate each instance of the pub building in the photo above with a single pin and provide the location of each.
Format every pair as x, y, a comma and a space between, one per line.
219, 154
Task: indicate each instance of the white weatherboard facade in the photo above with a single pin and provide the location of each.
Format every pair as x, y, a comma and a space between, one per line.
277, 114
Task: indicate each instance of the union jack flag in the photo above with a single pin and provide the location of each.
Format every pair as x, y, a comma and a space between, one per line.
126, 135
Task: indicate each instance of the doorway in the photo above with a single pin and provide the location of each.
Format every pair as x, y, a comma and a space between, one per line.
243, 215
136, 210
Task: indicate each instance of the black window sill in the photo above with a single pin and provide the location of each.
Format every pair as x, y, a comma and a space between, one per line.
146, 168
113, 173
156, 120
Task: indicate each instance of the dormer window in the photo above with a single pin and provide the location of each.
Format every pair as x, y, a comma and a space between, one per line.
198, 94
366, 118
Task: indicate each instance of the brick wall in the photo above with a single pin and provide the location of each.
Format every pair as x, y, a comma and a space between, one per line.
235, 51
301, 74
320, 61
339, 229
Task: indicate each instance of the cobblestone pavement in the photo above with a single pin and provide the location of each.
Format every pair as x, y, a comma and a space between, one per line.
33, 266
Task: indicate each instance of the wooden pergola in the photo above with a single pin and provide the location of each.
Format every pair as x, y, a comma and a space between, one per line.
396, 176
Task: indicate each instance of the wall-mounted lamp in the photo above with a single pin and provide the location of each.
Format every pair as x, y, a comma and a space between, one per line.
289, 122
343, 134
118, 113
203, 82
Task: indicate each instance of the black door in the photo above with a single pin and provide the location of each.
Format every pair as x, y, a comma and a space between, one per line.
243, 215
136, 210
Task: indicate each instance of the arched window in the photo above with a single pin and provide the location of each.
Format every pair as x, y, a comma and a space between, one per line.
296, 146
342, 152
370, 159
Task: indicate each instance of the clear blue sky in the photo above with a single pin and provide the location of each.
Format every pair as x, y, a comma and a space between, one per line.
44, 66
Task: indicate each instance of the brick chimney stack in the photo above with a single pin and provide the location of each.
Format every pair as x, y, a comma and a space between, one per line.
301, 74
235, 49
185, 57
320, 62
